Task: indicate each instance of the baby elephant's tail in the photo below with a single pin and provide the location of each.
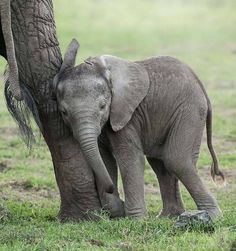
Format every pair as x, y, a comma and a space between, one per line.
214, 167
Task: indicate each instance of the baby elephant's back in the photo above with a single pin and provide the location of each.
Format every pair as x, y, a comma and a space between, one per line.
174, 90
172, 83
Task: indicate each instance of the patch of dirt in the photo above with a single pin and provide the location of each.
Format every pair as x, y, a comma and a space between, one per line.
24, 191
222, 145
228, 146
8, 132
230, 180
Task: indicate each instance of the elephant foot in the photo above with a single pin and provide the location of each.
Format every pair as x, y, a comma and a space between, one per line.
198, 217
66, 217
171, 212
73, 212
136, 213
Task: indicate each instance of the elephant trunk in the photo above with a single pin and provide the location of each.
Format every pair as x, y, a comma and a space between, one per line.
86, 135
10, 49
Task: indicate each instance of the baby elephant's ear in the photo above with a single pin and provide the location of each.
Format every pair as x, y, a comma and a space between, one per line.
68, 62
130, 84
70, 55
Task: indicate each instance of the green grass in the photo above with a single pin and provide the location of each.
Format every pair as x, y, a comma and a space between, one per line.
202, 34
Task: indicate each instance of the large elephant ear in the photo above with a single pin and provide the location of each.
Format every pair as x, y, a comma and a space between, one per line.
130, 84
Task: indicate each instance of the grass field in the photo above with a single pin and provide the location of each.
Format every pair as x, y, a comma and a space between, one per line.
202, 34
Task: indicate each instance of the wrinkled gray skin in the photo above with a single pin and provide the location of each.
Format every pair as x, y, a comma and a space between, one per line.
39, 60
5, 18
125, 110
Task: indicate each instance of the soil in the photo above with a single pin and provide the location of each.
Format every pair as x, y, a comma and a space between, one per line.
23, 191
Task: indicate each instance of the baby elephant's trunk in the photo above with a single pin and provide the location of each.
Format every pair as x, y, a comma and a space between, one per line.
87, 138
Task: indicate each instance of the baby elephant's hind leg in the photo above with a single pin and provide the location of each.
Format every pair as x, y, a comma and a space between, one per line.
181, 155
169, 187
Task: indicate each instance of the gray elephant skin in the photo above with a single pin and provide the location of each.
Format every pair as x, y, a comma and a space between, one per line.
8, 48
120, 111
38, 58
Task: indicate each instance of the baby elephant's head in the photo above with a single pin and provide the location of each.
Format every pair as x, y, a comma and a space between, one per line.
84, 96
100, 89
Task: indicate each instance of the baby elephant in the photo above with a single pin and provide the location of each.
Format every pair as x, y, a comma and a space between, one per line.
120, 111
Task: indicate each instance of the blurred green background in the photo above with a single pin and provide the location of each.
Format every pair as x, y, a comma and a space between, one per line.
200, 33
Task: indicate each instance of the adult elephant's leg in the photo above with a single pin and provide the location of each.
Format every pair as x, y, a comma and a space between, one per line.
39, 60
75, 179
169, 187
110, 202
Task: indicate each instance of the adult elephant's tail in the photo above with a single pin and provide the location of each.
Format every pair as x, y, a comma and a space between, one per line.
215, 165
5, 15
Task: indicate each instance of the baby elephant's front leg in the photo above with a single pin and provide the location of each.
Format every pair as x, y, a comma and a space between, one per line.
131, 163
110, 202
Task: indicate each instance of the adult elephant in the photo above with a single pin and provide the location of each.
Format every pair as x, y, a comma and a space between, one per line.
39, 59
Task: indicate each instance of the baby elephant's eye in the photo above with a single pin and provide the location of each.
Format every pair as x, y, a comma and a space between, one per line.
102, 105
